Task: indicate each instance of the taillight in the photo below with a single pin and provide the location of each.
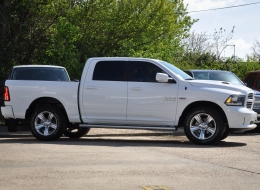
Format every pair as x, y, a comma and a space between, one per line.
6, 94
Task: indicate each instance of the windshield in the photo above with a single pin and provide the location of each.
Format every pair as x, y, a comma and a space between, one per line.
218, 75
179, 73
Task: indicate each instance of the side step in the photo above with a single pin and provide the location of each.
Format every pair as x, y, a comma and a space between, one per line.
165, 128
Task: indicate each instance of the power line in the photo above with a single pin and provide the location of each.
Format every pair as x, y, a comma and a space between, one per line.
224, 7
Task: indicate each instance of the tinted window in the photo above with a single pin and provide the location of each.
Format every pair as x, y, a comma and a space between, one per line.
258, 83
189, 73
181, 74
40, 73
144, 71
250, 80
110, 71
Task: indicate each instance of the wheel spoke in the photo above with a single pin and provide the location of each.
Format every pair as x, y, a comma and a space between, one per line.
50, 116
209, 119
202, 134
194, 128
41, 117
198, 118
54, 126
39, 126
211, 130
46, 131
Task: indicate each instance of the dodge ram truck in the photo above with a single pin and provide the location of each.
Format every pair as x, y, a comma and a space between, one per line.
131, 93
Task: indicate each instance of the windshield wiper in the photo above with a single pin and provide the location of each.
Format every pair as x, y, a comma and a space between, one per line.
190, 79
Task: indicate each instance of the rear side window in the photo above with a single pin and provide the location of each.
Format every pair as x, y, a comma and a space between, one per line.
39, 73
110, 71
250, 80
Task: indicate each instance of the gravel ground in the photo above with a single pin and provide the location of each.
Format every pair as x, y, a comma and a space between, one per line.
128, 159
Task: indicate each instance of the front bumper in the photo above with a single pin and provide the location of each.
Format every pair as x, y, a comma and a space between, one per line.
240, 119
7, 112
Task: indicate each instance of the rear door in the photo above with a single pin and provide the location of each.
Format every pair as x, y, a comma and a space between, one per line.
105, 91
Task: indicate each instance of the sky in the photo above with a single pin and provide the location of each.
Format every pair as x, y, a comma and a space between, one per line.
246, 20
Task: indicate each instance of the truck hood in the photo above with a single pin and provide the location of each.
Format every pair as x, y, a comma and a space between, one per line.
220, 85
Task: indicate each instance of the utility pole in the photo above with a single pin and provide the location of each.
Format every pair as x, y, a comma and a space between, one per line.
234, 50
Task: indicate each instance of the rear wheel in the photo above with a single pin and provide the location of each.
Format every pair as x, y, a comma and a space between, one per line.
74, 131
48, 123
203, 126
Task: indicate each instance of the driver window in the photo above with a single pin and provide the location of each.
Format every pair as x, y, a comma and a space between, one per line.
144, 71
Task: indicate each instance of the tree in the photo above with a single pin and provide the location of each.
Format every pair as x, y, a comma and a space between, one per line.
148, 28
202, 50
24, 26
255, 56
66, 32
198, 48
220, 41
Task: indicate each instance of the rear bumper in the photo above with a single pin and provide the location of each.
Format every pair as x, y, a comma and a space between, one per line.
7, 112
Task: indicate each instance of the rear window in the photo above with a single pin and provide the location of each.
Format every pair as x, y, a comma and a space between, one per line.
110, 71
39, 73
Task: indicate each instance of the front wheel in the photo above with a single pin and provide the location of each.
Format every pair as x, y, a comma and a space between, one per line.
203, 126
48, 123
225, 133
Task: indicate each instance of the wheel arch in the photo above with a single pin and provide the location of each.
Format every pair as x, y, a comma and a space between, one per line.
202, 104
44, 101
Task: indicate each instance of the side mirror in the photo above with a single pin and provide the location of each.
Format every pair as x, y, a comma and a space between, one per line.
162, 77
245, 83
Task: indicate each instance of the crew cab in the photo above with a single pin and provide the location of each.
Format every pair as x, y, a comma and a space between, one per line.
131, 93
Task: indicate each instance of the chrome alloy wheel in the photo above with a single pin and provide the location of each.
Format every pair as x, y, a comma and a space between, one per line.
45, 123
202, 126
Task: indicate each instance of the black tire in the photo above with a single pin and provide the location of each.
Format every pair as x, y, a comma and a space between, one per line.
74, 131
48, 123
225, 133
11, 125
199, 130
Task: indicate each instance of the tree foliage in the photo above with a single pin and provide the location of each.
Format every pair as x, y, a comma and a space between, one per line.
255, 56
64, 32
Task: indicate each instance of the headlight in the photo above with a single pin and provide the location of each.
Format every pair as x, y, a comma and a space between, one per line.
257, 98
235, 100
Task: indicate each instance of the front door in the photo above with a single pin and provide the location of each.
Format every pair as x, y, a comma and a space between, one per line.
148, 100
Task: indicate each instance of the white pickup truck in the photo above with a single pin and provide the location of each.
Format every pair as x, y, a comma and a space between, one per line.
131, 93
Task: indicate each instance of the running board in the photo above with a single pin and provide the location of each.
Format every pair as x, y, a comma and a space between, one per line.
170, 128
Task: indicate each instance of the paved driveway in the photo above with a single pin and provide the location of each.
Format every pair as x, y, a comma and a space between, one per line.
128, 159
